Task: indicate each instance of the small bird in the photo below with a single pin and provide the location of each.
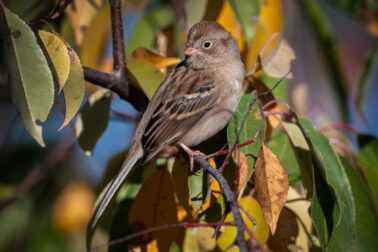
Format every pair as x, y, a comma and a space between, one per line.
193, 103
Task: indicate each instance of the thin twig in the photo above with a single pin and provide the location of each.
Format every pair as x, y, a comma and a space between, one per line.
159, 228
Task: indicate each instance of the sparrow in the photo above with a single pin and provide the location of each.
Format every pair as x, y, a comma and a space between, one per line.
194, 102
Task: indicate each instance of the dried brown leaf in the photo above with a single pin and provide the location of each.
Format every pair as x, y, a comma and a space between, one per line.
272, 185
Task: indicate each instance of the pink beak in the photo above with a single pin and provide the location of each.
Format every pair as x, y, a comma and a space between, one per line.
190, 51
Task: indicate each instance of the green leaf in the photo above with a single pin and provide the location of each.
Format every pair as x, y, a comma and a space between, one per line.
88, 126
303, 156
58, 54
366, 217
74, 89
144, 32
194, 17
148, 76
30, 78
333, 208
245, 11
129, 191
280, 145
253, 123
368, 159
198, 188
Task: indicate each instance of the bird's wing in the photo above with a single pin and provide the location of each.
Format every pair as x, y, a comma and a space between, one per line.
179, 111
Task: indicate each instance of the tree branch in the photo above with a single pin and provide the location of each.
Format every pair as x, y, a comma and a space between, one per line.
118, 81
119, 64
229, 195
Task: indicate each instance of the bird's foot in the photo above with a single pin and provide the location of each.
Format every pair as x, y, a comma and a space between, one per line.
191, 153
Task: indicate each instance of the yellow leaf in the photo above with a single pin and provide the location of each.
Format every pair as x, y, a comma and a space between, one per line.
229, 21
74, 89
214, 194
278, 61
300, 208
143, 54
262, 230
272, 185
269, 23
155, 206
95, 38
81, 16
73, 208
147, 76
199, 239
58, 54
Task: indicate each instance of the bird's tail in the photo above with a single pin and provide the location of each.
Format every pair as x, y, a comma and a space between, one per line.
133, 156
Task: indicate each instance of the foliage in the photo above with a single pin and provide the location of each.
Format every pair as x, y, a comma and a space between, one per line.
298, 182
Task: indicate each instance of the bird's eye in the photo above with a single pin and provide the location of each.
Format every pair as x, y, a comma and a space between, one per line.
207, 44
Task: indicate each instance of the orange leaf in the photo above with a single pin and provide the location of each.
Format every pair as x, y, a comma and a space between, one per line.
73, 208
229, 21
155, 206
268, 24
272, 185
155, 59
241, 159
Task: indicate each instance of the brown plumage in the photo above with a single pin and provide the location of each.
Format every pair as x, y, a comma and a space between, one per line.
194, 102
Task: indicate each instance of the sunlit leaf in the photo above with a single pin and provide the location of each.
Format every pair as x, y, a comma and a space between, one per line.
58, 54
272, 185
88, 126
74, 89
143, 54
148, 76
241, 159
261, 233
230, 22
278, 62
158, 210
333, 208
269, 22
199, 239
30, 79
301, 209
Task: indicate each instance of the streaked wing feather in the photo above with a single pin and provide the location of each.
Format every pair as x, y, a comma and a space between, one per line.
175, 116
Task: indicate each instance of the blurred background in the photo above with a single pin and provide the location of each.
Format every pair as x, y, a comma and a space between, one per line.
47, 194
